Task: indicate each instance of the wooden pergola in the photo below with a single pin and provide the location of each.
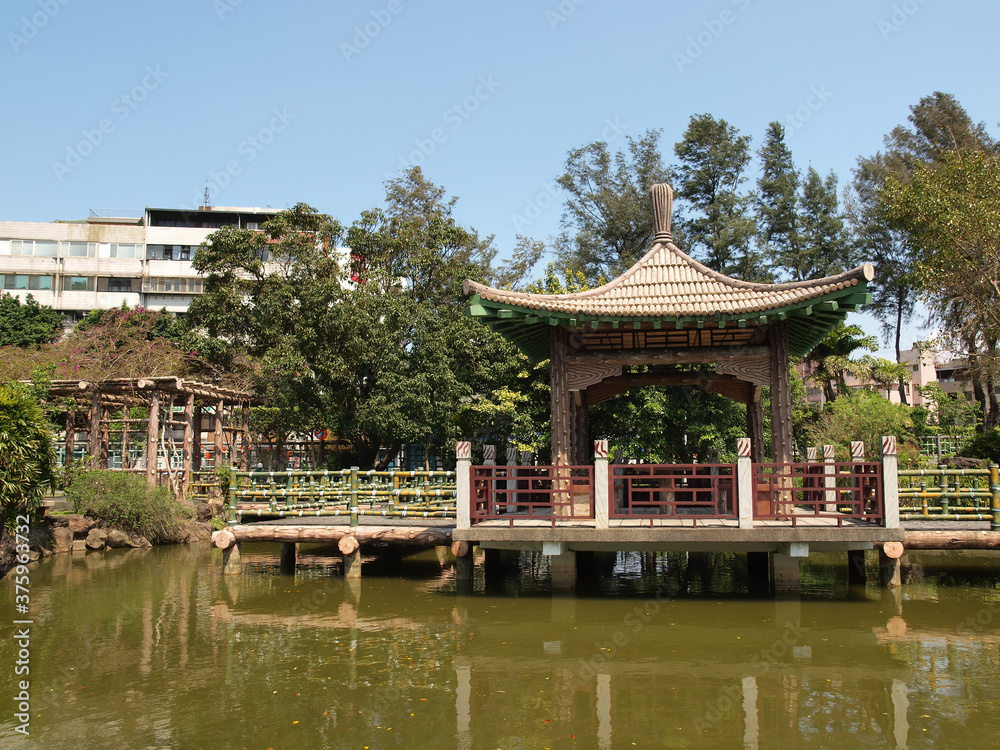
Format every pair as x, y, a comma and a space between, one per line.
159, 395
669, 309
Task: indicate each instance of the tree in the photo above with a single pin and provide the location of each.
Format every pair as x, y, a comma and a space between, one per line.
825, 249
27, 324
937, 124
951, 212
606, 221
777, 200
833, 359
713, 160
866, 416
27, 455
381, 362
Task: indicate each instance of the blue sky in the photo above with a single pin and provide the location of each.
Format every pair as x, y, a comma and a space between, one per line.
126, 105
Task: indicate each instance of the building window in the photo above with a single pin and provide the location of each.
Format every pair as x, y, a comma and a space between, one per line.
19, 281
39, 248
78, 284
79, 249
119, 285
125, 251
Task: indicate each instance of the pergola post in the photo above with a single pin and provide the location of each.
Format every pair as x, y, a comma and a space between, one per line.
105, 435
188, 447
94, 434
152, 432
196, 449
245, 439
781, 395
125, 436
70, 437
219, 434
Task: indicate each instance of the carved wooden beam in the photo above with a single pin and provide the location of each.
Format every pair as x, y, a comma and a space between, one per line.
679, 355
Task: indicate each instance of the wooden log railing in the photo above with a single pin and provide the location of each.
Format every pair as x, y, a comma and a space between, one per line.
347, 492
950, 494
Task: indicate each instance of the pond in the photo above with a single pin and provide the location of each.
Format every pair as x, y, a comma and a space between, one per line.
156, 649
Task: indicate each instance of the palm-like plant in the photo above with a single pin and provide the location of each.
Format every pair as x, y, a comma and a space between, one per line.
832, 357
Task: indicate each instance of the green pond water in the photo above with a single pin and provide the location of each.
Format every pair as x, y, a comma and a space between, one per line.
156, 649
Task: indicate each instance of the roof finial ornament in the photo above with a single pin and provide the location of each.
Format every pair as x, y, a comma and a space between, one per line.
663, 202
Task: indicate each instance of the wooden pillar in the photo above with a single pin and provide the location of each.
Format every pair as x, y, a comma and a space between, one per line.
219, 434
856, 568
152, 433
125, 431
196, 445
287, 563
781, 395
245, 439
94, 434
579, 428
755, 424
70, 436
561, 399
105, 435
188, 446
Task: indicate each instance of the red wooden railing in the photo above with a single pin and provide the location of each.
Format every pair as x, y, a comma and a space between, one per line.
513, 493
798, 492
677, 491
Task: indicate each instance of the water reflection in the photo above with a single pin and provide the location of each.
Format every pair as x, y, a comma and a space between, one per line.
155, 648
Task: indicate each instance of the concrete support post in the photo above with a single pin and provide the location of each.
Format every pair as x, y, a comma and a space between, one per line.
287, 558
890, 482
463, 485
562, 564
758, 573
464, 561
857, 456
830, 479
784, 573
602, 481
352, 564
744, 483
856, 568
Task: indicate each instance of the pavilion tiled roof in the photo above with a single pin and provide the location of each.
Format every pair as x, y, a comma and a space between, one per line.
668, 286
666, 283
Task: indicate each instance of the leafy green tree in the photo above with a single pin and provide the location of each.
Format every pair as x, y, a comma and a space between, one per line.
825, 248
867, 416
27, 324
949, 414
777, 201
606, 222
834, 362
936, 125
951, 213
27, 454
719, 228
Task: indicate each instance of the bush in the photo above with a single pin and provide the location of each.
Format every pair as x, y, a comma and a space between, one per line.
122, 501
985, 445
27, 456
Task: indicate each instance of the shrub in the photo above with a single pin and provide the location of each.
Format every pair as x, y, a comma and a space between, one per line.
120, 500
985, 445
27, 457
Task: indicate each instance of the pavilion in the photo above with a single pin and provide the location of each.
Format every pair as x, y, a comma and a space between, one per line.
669, 309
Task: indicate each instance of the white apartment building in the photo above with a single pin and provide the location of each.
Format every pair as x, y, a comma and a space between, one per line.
114, 257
